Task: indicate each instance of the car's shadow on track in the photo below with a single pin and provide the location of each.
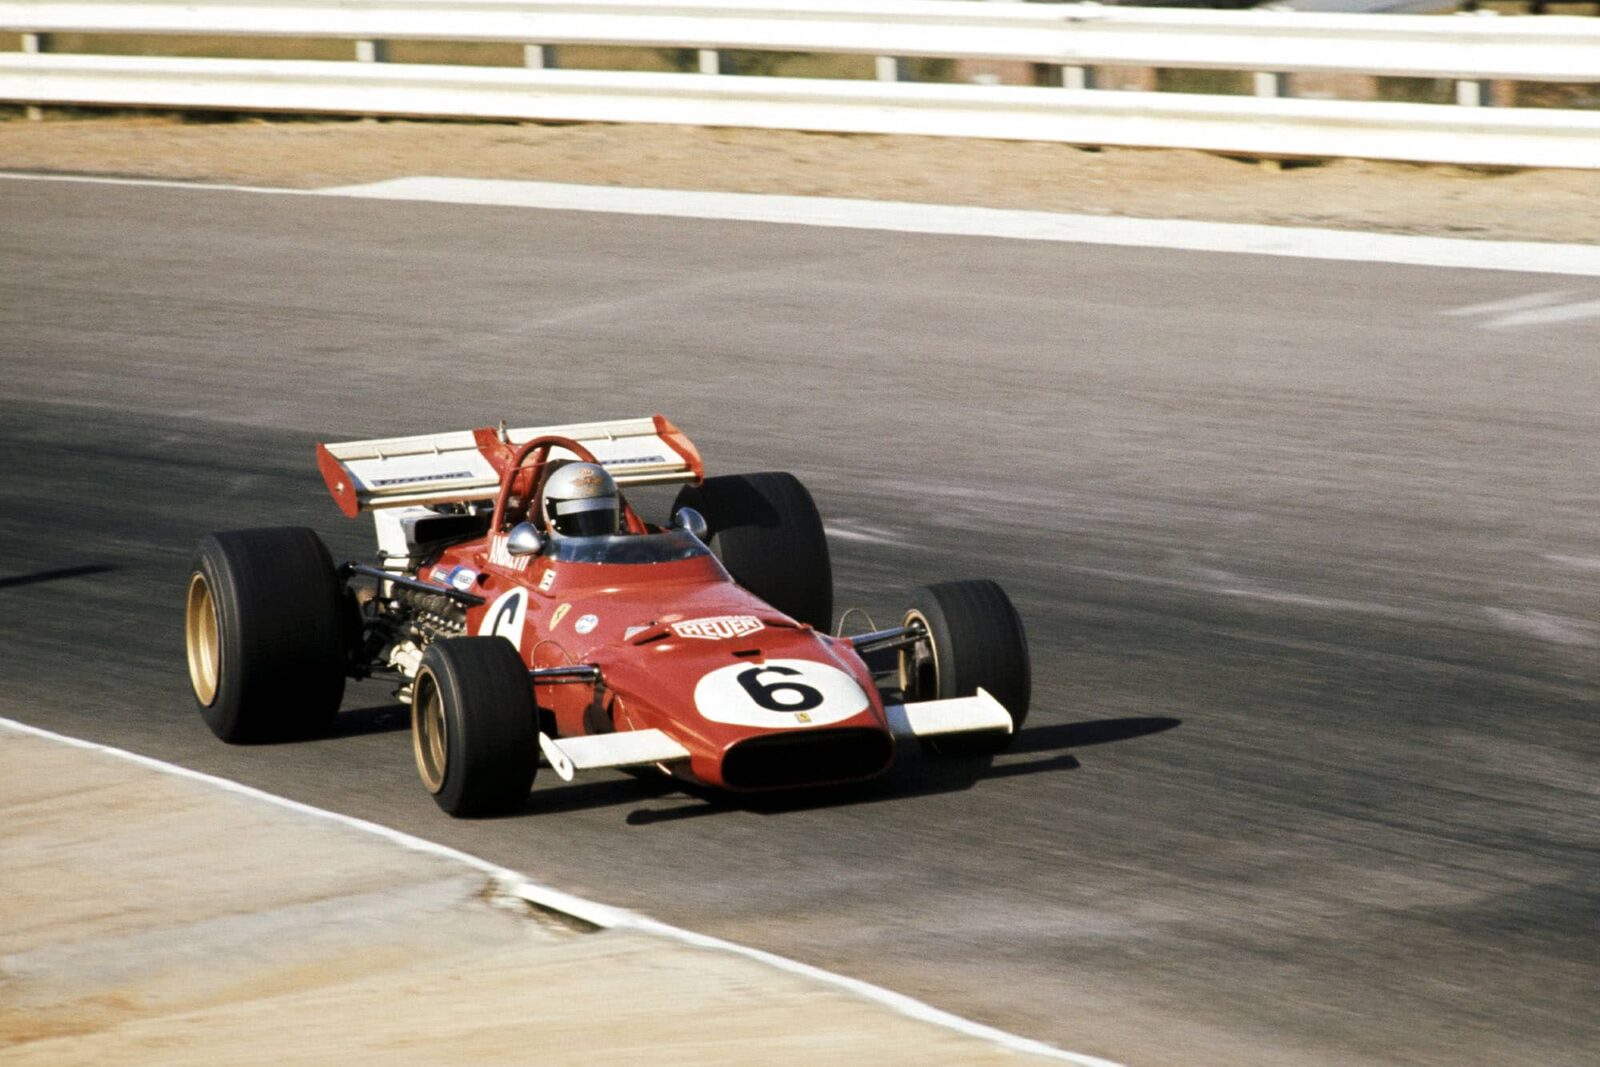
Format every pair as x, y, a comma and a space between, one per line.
1036, 750
915, 774
379, 719
85, 570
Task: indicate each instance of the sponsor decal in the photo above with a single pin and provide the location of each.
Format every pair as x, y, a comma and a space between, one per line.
719, 627
546, 580
779, 694
557, 615
627, 461
506, 616
456, 577
419, 478
586, 624
500, 554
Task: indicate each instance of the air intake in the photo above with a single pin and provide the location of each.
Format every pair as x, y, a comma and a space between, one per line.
806, 757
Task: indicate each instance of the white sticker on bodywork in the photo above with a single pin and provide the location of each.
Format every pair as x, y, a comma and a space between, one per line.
718, 628
506, 617
779, 694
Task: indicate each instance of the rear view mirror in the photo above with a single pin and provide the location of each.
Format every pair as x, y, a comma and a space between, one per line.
691, 520
525, 540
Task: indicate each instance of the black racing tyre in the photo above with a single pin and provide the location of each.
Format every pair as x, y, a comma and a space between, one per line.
264, 629
765, 529
474, 726
975, 640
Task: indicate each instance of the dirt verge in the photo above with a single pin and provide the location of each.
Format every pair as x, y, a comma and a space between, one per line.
1531, 205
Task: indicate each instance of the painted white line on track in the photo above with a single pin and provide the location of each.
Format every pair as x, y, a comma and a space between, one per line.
948, 220
602, 915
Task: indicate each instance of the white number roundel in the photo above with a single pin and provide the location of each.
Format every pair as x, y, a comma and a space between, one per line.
779, 693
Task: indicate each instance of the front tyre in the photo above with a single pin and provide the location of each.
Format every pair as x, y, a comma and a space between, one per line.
474, 726
264, 632
975, 640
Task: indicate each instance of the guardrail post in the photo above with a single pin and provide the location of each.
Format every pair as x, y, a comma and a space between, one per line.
1077, 77
888, 68
539, 57
1471, 93
1270, 83
34, 43
372, 51
710, 61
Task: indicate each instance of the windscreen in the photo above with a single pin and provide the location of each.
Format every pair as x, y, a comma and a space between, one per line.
666, 547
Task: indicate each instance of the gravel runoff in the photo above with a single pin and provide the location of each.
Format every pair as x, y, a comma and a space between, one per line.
1446, 201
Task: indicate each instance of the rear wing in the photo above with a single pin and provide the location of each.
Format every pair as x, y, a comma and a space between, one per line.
447, 468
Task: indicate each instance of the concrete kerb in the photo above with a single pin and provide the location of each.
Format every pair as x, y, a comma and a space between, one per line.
871, 1016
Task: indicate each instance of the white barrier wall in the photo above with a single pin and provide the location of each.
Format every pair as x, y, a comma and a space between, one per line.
1077, 37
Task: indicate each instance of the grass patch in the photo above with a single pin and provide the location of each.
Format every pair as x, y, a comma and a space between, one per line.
1209, 82
1579, 96
796, 65
457, 53
1416, 90
201, 46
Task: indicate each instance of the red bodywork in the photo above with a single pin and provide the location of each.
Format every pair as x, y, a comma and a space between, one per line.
680, 646
652, 674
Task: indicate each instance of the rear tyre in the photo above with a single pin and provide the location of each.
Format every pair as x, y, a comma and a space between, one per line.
264, 630
765, 529
474, 726
975, 640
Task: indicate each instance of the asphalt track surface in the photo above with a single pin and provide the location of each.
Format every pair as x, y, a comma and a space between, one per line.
1309, 564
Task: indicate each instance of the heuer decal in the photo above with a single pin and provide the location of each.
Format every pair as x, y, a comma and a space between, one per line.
586, 624
546, 580
557, 615
718, 628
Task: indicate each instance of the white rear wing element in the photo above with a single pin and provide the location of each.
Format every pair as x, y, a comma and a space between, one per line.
442, 468
956, 715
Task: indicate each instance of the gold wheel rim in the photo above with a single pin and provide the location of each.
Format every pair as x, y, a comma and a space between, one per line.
200, 638
913, 666
427, 732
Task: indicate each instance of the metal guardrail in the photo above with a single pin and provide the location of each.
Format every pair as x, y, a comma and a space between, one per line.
1076, 37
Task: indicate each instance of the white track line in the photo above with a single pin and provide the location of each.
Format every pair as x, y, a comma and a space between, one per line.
1291, 241
602, 915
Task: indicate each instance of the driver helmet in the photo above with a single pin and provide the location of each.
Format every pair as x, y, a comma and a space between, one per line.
580, 500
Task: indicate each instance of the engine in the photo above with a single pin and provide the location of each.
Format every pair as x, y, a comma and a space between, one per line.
399, 627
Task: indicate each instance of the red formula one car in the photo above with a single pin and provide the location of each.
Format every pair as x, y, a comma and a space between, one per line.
700, 647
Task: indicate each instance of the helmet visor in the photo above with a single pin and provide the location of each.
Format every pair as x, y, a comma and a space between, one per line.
586, 518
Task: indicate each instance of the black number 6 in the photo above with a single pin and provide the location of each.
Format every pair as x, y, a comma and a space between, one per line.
805, 698
505, 616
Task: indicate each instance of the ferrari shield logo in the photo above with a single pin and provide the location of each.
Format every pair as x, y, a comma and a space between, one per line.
718, 628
